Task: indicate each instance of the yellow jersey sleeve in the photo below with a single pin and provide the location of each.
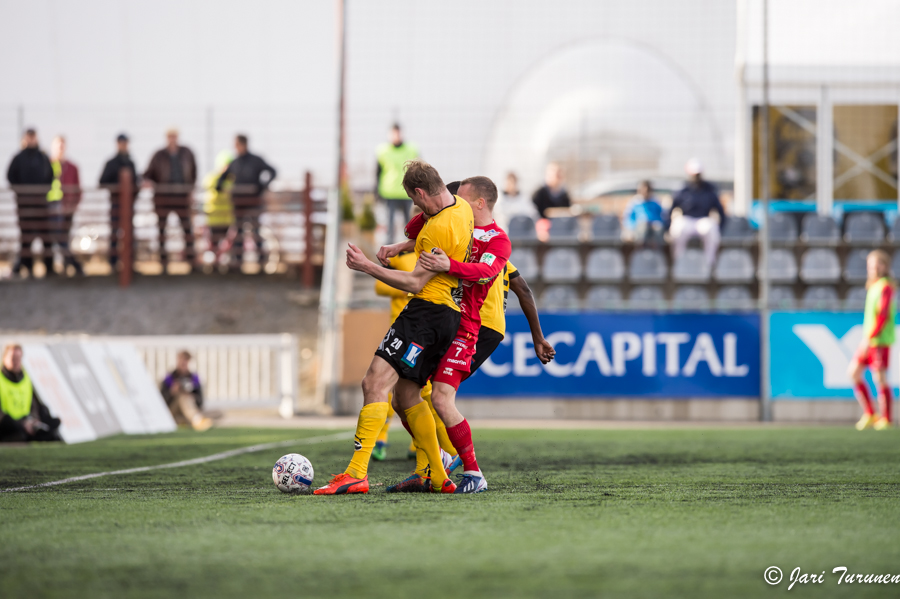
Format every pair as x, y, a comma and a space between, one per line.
451, 231
493, 311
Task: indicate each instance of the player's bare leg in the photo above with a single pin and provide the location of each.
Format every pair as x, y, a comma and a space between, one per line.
443, 396
377, 384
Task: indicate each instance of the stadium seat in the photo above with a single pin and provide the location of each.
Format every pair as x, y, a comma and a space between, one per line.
781, 297
894, 236
691, 297
521, 230
820, 266
734, 297
818, 297
560, 298
606, 230
782, 266
818, 229
526, 262
647, 266
691, 267
561, 265
604, 265
782, 228
863, 228
646, 296
855, 267
737, 230
603, 297
734, 266
856, 298
564, 230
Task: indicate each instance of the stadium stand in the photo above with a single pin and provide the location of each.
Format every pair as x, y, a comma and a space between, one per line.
782, 229
647, 266
820, 266
646, 296
691, 297
895, 263
603, 297
781, 297
691, 267
894, 235
521, 230
734, 266
564, 230
863, 228
561, 265
856, 298
526, 261
734, 297
819, 297
738, 231
820, 230
855, 266
560, 298
782, 266
606, 230
604, 265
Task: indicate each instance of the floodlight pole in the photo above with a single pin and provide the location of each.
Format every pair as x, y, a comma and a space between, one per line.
765, 349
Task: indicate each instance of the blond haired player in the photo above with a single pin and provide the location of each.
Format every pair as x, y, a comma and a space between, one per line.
419, 337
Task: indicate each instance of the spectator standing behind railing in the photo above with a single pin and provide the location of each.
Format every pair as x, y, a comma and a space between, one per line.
392, 158
22, 415
250, 175
643, 217
30, 167
696, 200
110, 176
512, 203
218, 207
63, 197
174, 171
183, 394
553, 193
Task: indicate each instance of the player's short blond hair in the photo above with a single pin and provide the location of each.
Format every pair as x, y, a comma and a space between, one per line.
421, 175
883, 257
484, 187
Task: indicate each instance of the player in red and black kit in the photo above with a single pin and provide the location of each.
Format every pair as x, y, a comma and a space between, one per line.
490, 251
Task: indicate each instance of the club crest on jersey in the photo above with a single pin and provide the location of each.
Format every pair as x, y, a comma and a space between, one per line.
412, 354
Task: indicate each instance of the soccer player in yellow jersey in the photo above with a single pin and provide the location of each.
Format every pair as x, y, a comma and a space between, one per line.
418, 338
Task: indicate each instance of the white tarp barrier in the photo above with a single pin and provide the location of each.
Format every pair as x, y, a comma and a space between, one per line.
96, 389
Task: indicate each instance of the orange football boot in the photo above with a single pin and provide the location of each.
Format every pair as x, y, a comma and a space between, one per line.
448, 487
343, 484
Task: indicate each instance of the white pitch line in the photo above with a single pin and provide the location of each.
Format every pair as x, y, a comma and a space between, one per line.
210, 458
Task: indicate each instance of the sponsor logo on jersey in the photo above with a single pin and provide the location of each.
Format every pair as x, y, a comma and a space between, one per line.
448, 371
485, 234
488, 258
412, 354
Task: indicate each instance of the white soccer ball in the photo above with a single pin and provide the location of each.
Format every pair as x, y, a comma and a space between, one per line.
292, 473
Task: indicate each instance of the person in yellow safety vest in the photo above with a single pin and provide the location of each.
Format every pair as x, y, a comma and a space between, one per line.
392, 159
22, 415
218, 206
63, 199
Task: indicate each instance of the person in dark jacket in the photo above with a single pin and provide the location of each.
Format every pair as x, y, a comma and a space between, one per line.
31, 169
183, 394
110, 177
63, 197
250, 176
696, 200
173, 170
22, 415
552, 194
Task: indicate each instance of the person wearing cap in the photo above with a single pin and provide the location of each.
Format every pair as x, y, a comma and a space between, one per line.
173, 170
29, 169
110, 176
696, 200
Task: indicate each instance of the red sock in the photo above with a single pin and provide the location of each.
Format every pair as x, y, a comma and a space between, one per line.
886, 399
862, 393
461, 437
406, 426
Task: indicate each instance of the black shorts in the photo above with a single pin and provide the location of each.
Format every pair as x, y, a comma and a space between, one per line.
488, 340
418, 339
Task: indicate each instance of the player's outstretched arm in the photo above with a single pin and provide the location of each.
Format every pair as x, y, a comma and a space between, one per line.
483, 272
387, 252
542, 347
411, 282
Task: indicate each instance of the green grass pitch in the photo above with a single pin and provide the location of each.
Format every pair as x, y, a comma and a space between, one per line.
569, 513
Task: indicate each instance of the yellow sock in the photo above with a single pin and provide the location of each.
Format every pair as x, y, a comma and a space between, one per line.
383, 435
421, 462
371, 419
443, 437
421, 422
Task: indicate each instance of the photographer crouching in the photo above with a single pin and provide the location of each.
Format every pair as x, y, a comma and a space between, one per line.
183, 394
22, 415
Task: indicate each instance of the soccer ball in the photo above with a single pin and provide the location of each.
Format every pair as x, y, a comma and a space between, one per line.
292, 473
